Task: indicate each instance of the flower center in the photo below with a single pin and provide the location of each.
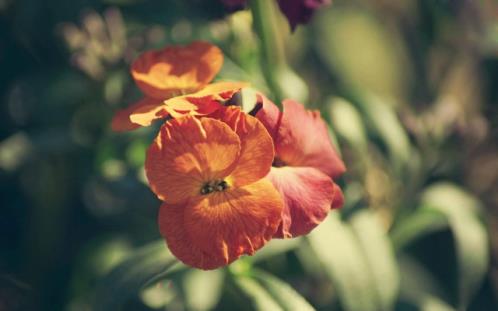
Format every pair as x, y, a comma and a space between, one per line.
278, 163
212, 186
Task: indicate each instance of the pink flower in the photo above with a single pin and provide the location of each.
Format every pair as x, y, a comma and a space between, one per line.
304, 167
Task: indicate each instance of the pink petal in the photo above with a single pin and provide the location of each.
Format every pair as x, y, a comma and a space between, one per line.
267, 112
308, 196
338, 197
301, 137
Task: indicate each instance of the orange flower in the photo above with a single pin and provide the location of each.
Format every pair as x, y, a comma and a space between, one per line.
210, 174
304, 166
175, 82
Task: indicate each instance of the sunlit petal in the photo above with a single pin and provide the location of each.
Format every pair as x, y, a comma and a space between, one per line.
200, 103
214, 230
128, 119
256, 155
188, 152
219, 89
177, 70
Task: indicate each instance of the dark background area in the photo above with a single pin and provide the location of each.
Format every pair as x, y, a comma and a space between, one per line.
73, 199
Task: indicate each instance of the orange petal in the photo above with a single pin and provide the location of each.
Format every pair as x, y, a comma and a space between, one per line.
218, 89
144, 117
303, 140
308, 195
125, 120
257, 152
178, 107
177, 70
187, 153
201, 103
211, 231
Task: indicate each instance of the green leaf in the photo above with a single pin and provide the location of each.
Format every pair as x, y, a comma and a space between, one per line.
383, 120
372, 59
334, 141
14, 150
202, 289
259, 298
114, 86
429, 302
144, 266
282, 80
283, 293
432, 303
419, 288
471, 240
347, 122
232, 71
276, 247
422, 222
380, 256
338, 251
445, 205
136, 151
159, 295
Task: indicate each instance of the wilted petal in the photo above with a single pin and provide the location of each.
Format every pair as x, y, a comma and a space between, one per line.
308, 195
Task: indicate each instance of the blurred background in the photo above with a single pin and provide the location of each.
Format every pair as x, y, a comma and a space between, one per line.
410, 89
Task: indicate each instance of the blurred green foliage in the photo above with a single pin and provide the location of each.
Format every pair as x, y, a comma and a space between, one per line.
409, 88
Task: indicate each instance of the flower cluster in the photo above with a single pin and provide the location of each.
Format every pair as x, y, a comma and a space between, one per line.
229, 181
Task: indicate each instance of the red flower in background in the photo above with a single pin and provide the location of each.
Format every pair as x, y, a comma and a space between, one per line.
304, 167
300, 11
296, 11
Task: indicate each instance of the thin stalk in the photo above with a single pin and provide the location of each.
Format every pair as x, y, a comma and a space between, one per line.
282, 81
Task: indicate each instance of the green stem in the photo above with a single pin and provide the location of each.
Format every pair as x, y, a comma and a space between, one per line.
282, 81
271, 49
